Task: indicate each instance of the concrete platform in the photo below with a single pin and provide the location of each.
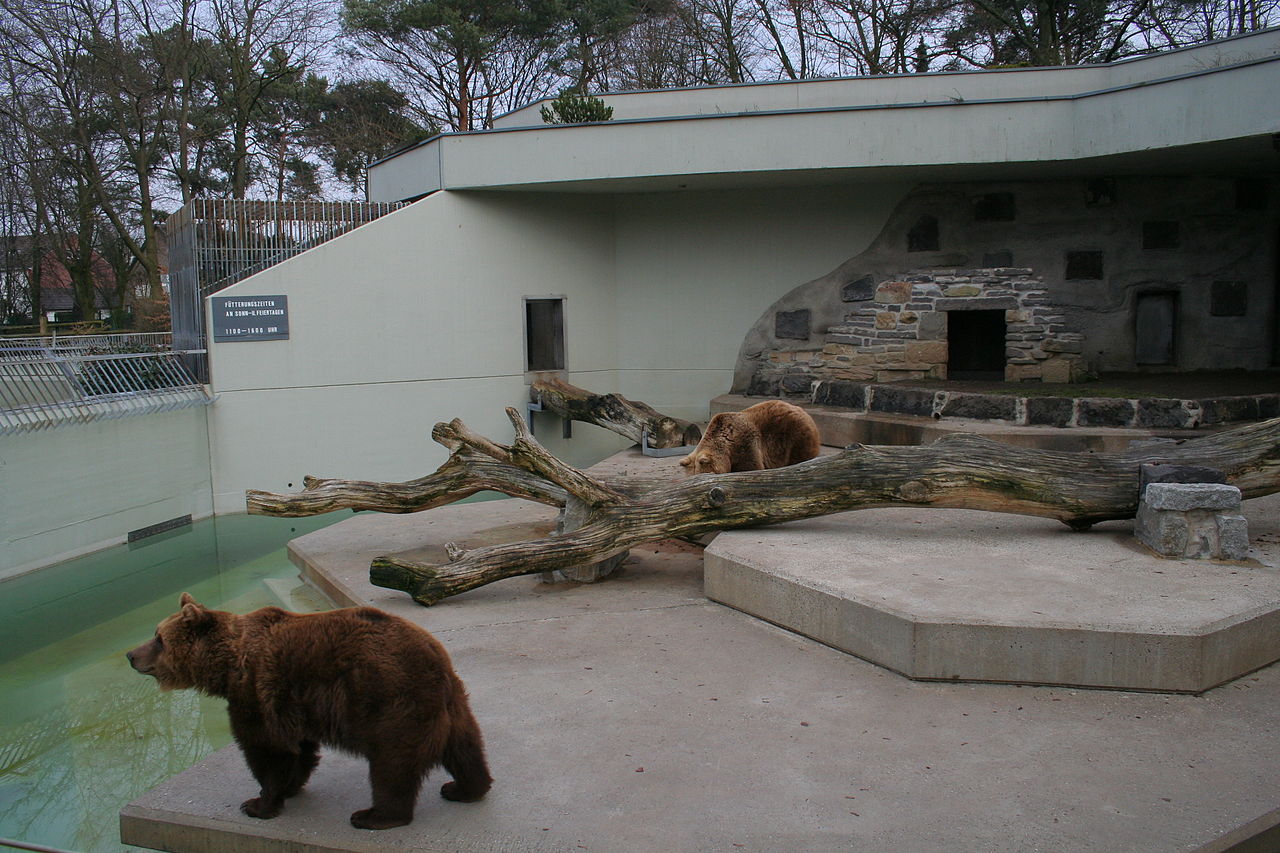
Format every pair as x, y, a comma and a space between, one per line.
636, 715
952, 594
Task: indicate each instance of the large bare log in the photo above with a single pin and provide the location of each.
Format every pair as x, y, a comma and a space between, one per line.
959, 471
629, 418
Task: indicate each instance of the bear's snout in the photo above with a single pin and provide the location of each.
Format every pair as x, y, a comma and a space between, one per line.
142, 659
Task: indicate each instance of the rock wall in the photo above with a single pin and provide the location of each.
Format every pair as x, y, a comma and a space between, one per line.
1098, 274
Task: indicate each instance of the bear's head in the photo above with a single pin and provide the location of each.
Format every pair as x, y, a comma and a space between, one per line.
703, 461
179, 654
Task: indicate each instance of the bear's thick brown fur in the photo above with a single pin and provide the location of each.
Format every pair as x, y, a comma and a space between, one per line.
767, 435
360, 680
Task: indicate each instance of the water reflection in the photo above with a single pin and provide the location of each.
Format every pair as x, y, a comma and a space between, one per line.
81, 733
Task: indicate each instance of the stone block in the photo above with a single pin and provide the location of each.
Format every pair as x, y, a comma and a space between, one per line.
1050, 411
1017, 315
1059, 345
962, 290
1225, 409
763, 385
792, 325
929, 352
1058, 370
1163, 532
906, 401
994, 303
886, 320
987, 407
893, 292
796, 384
848, 395
1105, 413
1233, 537
858, 290
1025, 372
1152, 472
908, 317
1184, 497
1161, 413
932, 326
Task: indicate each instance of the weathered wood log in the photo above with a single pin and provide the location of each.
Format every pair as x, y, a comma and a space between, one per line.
959, 471
629, 418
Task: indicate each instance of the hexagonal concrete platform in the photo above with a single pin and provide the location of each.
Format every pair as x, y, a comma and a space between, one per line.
976, 596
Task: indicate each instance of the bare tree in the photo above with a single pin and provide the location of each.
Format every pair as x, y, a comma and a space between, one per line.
256, 44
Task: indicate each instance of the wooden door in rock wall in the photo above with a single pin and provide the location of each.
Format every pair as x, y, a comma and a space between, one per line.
1155, 329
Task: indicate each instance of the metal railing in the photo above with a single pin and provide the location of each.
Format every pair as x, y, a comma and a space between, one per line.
45, 387
214, 243
90, 344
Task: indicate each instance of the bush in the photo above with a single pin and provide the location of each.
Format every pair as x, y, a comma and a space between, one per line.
572, 107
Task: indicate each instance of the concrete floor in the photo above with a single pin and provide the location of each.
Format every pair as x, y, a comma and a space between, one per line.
636, 715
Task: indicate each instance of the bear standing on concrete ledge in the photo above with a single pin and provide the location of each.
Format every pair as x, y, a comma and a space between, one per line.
358, 679
767, 435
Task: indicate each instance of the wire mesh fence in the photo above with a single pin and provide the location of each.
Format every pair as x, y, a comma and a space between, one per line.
44, 384
214, 243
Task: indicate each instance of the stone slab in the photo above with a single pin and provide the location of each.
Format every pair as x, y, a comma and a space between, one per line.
948, 594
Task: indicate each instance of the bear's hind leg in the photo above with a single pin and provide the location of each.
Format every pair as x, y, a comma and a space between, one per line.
464, 759
395, 779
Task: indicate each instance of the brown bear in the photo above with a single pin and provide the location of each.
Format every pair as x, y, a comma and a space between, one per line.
767, 435
358, 679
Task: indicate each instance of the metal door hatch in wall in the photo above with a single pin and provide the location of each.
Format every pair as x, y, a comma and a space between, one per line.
1155, 328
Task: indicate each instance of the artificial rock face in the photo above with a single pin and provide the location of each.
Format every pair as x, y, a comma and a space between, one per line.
358, 679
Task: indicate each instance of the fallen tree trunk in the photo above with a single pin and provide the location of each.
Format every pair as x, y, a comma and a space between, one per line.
959, 471
629, 418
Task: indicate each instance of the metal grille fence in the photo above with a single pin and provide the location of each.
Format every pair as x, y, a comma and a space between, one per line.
46, 383
214, 243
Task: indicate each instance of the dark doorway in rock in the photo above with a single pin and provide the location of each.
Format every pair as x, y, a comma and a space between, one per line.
975, 345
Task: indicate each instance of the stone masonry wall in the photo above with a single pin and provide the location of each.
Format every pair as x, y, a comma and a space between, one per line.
901, 333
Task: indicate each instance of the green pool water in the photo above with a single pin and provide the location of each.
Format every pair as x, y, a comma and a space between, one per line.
81, 733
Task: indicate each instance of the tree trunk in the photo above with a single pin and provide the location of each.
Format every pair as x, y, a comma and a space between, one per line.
629, 418
958, 471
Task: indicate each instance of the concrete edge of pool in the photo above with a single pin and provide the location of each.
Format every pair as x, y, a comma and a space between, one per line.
637, 715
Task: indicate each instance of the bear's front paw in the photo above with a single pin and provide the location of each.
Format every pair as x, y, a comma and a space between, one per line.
373, 819
261, 808
453, 791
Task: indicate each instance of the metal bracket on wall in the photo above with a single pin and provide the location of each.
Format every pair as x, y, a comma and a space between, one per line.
566, 425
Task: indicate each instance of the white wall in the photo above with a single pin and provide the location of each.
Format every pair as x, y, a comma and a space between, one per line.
696, 270
413, 319
77, 488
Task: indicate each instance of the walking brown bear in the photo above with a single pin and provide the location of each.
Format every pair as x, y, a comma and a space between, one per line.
359, 679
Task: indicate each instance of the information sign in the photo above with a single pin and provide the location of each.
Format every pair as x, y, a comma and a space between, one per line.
250, 318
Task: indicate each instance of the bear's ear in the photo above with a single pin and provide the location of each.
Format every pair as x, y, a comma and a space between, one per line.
687, 461
192, 610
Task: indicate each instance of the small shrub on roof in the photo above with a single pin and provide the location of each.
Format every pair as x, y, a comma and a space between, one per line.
573, 107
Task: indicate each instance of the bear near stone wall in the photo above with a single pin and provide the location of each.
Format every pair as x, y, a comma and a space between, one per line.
358, 679
771, 434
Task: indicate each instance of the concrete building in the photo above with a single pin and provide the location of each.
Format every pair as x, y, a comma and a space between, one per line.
1142, 194
742, 238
